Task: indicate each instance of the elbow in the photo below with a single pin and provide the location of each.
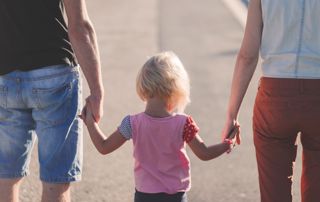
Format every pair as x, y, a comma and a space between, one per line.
81, 30
103, 151
248, 59
204, 157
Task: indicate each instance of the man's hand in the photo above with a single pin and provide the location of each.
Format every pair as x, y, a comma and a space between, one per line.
95, 103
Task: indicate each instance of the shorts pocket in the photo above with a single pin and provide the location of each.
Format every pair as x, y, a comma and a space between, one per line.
53, 104
49, 96
3, 96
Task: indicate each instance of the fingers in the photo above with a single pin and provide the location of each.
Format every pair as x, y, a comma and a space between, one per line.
83, 113
96, 107
234, 134
234, 131
238, 138
94, 112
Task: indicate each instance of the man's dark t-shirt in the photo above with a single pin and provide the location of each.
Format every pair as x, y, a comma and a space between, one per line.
33, 34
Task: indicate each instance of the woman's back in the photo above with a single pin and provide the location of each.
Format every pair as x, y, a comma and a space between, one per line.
290, 44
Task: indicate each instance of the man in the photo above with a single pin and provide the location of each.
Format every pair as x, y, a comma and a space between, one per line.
40, 91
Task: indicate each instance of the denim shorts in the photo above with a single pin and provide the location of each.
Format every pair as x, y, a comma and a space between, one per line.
41, 104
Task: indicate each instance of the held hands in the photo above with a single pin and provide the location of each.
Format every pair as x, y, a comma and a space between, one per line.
228, 130
87, 115
95, 103
232, 137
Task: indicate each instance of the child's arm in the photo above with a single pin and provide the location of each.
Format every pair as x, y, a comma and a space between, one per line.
103, 145
191, 136
206, 153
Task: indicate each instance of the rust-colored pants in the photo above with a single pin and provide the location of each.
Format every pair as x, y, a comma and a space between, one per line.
283, 108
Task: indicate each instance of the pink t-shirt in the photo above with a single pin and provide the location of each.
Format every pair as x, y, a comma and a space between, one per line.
161, 161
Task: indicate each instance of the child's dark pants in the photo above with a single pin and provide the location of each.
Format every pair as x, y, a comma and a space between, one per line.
160, 197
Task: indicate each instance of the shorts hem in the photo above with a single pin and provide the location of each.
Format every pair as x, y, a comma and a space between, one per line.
60, 180
13, 175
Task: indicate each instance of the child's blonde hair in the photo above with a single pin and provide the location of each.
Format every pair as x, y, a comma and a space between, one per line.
163, 75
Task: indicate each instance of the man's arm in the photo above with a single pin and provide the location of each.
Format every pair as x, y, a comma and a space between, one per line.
84, 42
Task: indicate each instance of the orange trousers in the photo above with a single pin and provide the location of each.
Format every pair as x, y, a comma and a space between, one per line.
284, 108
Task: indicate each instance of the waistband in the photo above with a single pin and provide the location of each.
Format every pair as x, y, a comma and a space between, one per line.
161, 194
41, 73
289, 84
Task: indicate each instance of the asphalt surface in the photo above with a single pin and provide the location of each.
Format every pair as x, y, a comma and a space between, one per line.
206, 37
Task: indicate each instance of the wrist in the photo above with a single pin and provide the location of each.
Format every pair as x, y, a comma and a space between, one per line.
96, 87
232, 115
97, 93
91, 125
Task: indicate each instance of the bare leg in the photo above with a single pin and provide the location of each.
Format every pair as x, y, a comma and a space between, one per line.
9, 189
56, 192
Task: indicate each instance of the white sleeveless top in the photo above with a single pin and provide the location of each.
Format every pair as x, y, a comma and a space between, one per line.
290, 45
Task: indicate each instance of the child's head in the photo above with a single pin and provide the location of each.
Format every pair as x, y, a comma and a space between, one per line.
164, 76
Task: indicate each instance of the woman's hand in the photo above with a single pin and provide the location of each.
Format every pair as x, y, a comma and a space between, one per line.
231, 131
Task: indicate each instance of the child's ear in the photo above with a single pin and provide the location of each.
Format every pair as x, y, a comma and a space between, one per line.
170, 107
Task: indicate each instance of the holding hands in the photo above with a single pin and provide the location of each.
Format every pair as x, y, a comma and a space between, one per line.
231, 131
95, 104
232, 137
87, 114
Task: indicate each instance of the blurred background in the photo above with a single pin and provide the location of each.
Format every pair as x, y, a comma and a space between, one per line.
206, 35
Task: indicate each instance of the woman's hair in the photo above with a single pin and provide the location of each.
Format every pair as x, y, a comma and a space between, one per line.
164, 76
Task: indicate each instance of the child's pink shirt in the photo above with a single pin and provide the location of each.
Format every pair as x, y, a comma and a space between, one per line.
161, 161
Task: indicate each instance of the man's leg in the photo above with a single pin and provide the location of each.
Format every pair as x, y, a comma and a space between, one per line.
16, 140
9, 190
56, 93
55, 192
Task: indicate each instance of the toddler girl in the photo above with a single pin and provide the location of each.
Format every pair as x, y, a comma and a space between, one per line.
160, 133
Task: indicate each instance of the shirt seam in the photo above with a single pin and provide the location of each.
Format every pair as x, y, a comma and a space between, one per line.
300, 39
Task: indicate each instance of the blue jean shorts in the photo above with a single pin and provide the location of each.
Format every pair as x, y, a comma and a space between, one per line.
41, 104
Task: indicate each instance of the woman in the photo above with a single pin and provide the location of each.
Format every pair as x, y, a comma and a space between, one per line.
287, 33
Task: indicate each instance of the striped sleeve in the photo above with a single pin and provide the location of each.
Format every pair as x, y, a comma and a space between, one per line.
125, 128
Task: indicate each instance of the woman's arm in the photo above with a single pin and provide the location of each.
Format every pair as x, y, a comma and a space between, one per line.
245, 65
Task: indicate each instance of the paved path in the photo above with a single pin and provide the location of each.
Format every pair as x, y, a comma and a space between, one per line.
207, 38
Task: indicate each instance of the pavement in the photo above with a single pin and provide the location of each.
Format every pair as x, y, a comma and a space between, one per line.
206, 37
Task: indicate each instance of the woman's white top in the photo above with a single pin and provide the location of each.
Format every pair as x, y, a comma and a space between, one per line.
290, 45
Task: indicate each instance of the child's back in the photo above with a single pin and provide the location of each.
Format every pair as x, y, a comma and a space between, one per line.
161, 162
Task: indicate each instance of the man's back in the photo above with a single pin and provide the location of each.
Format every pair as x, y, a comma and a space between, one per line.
33, 34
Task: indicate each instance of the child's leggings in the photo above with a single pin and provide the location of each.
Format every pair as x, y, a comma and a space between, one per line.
160, 197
